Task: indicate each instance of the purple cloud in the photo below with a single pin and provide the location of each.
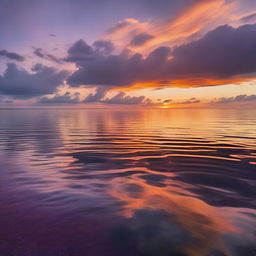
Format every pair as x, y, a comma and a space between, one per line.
103, 47
41, 54
121, 24
122, 98
11, 55
239, 98
19, 83
113, 70
222, 53
249, 18
66, 98
97, 96
141, 39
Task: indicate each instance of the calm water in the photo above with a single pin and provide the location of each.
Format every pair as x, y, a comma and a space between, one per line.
129, 183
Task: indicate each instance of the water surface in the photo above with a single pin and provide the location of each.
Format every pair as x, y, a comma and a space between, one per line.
160, 182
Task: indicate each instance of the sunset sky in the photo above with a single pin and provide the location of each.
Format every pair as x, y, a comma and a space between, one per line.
160, 53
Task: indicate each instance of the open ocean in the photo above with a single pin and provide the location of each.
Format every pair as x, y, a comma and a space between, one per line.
159, 182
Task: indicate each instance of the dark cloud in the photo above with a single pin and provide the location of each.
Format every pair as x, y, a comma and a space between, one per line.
122, 98
167, 101
113, 70
119, 98
141, 39
180, 102
41, 54
19, 83
239, 98
221, 54
249, 18
80, 52
164, 82
66, 98
103, 47
11, 55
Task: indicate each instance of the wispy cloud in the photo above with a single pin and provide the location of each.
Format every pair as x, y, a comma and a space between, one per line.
249, 18
11, 55
63, 99
239, 98
42, 54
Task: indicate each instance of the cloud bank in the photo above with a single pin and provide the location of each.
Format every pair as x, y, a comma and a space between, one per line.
223, 53
239, 98
99, 96
122, 98
20, 84
66, 98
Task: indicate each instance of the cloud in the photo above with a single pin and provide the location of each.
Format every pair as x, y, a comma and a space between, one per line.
122, 24
119, 98
41, 54
80, 52
179, 102
141, 39
239, 98
189, 101
103, 47
122, 98
173, 22
112, 70
11, 55
222, 55
66, 98
249, 18
166, 9
167, 101
20, 84
97, 96
5, 101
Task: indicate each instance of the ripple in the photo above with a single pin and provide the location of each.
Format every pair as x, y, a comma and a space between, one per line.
127, 183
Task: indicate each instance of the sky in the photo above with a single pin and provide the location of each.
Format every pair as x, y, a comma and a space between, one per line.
150, 53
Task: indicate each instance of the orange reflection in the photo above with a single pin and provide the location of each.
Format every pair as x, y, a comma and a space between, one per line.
203, 222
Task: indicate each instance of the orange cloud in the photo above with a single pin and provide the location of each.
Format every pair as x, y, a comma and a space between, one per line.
186, 83
189, 25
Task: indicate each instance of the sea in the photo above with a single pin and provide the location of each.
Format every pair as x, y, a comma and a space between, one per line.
127, 182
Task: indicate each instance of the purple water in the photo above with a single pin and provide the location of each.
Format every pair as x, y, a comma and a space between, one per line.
163, 182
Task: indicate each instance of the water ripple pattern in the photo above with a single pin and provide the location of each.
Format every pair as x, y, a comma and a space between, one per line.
145, 182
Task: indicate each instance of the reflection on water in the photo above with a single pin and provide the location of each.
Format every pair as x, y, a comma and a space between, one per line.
153, 182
